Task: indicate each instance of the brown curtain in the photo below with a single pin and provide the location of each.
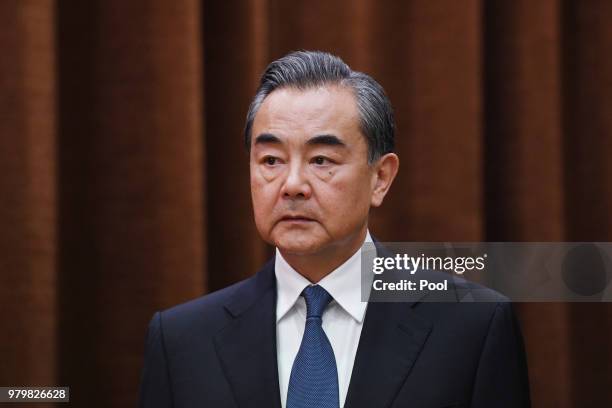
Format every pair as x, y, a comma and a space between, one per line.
124, 183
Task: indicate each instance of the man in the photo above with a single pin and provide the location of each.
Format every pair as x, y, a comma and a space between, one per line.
296, 334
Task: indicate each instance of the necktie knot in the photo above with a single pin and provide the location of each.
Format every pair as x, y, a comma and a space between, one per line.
317, 299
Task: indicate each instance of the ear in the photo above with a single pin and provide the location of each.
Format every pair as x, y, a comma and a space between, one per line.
385, 170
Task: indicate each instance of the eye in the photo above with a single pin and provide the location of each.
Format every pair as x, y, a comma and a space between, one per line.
320, 160
270, 160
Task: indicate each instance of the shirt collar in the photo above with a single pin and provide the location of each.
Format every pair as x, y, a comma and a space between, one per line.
343, 284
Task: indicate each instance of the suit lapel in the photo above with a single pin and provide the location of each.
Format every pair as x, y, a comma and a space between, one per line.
392, 337
247, 346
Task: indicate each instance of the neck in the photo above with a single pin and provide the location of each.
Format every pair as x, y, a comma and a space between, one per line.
316, 266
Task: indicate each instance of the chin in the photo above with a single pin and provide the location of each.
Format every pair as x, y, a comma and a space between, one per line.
297, 245
298, 248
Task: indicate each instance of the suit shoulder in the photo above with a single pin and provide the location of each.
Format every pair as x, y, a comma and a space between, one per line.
207, 310
207, 314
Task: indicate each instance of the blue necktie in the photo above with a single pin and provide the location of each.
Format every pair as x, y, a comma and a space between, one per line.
314, 376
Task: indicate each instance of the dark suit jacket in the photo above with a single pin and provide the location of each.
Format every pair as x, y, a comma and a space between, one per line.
220, 351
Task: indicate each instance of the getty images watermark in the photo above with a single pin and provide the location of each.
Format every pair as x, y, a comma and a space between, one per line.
487, 271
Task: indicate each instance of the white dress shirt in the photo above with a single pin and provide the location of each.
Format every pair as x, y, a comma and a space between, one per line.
342, 319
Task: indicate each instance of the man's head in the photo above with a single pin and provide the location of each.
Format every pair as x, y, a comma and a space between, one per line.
320, 138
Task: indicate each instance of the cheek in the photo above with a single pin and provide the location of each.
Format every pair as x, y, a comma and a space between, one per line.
261, 210
348, 198
264, 196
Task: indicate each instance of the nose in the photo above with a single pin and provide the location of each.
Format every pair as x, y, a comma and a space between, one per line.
296, 184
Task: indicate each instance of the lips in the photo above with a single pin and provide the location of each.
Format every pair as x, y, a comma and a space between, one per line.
296, 218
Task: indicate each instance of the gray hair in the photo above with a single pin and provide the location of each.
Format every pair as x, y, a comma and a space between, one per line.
310, 69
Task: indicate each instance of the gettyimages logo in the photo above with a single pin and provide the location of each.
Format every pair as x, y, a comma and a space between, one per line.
412, 264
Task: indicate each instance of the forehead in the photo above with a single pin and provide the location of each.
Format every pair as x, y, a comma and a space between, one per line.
292, 112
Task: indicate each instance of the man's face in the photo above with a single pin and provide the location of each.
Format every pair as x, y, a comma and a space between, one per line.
311, 184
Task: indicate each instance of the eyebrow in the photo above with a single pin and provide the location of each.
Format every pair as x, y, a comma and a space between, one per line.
267, 138
329, 140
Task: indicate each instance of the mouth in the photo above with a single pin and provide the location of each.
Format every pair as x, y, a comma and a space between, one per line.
296, 219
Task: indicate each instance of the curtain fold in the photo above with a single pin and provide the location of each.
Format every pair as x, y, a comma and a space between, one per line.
524, 165
28, 199
131, 187
587, 124
235, 53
